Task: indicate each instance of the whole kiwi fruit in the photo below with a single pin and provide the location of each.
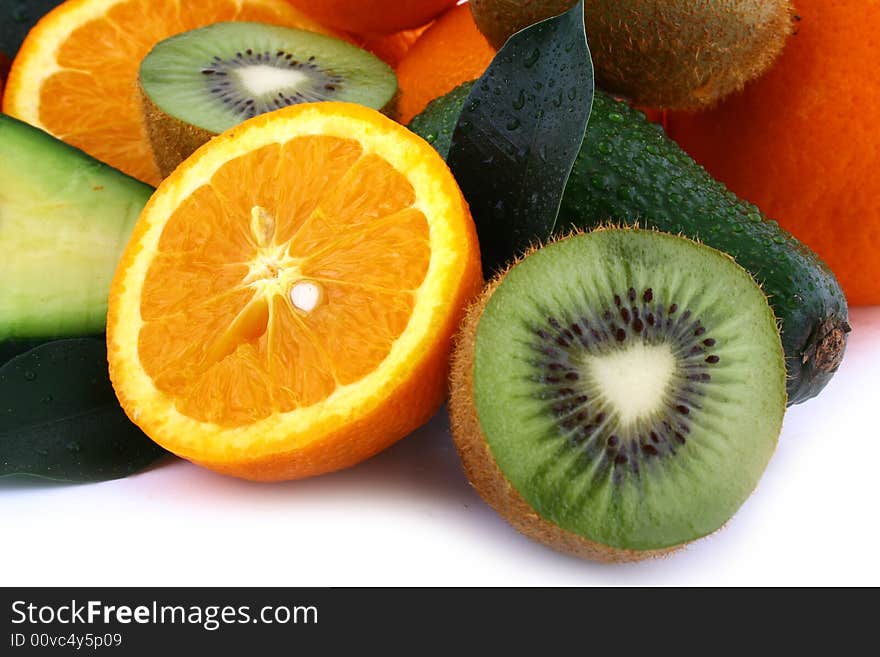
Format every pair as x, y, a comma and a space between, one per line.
618, 394
676, 54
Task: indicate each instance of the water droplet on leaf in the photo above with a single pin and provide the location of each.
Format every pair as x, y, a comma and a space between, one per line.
533, 58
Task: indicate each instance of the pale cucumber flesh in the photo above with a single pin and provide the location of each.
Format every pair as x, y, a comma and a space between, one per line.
64, 220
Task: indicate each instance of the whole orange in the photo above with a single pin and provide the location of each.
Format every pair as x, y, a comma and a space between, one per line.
803, 142
373, 16
390, 48
452, 51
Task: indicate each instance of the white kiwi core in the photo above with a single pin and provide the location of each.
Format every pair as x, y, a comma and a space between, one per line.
262, 79
635, 380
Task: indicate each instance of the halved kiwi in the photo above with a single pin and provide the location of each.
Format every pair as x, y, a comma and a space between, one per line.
618, 394
198, 84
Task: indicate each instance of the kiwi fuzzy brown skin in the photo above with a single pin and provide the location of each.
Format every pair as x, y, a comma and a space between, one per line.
173, 141
499, 19
674, 54
483, 472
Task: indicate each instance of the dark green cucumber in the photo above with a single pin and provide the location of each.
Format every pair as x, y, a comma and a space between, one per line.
628, 170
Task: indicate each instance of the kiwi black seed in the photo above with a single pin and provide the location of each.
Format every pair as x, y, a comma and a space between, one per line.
198, 84
618, 394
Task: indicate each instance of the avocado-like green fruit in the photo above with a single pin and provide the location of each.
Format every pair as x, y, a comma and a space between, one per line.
618, 393
677, 54
628, 170
64, 220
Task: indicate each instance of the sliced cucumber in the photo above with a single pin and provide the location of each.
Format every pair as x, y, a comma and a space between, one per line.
64, 219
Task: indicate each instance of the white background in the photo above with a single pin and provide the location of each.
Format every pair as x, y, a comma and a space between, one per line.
408, 517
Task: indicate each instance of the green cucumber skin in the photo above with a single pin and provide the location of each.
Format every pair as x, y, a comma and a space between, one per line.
64, 219
628, 170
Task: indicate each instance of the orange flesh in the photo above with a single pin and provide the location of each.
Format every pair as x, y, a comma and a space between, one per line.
221, 334
93, 101
450, 52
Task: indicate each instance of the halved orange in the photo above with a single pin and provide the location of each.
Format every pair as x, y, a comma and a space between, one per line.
286, 304
75, 75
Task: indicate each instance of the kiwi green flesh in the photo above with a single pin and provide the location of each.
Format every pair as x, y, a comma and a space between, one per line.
220, 75
638, 425
64, 220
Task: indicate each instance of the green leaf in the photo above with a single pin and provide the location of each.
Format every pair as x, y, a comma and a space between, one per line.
59, 417
9, 349
12, 347
519, 134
